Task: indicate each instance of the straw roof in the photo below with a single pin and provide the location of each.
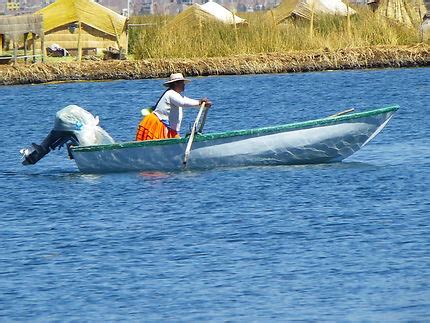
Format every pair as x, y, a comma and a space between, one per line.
14, 26
283, 11
304, 8
64, 12
408, 12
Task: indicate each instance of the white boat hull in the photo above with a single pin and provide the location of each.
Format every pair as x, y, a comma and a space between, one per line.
319, 141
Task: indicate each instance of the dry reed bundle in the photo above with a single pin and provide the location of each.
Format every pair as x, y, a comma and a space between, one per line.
298, 61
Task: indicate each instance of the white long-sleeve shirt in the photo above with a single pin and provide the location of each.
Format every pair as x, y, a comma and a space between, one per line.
169, 108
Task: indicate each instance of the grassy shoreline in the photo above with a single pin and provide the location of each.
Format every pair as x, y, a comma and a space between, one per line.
289, 62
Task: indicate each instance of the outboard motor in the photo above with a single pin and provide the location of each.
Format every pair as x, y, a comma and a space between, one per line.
55, 139
73, 126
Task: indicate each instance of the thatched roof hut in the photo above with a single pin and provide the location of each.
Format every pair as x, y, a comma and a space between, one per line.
305, 8
83, 25
408, 12
17, 28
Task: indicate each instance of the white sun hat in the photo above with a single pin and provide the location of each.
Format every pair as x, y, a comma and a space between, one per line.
175, 78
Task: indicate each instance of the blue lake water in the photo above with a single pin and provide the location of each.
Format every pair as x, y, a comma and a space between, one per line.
346, 241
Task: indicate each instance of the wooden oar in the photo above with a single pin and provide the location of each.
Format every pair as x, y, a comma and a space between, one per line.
193, 132
202, 123
341, 113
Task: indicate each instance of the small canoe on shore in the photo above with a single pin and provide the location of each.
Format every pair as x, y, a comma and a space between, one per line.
326, 140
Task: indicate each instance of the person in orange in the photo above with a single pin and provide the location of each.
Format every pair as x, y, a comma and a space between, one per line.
165, 120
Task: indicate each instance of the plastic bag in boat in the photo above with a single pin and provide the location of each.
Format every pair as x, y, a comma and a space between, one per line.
83, 124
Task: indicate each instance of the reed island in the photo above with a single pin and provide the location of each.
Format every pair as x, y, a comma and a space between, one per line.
161, 45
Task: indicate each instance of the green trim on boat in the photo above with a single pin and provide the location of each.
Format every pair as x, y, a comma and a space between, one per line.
249, 132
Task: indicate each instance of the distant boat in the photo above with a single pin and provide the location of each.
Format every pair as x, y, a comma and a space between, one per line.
326, 140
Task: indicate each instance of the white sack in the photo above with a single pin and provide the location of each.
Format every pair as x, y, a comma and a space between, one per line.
83, 124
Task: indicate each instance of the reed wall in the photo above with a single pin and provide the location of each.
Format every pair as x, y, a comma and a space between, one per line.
295, 61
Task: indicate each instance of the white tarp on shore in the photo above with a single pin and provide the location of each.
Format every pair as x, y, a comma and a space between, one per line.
329, 7
208, 11
221, 13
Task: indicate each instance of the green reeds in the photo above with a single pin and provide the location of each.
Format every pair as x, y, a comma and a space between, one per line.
261, 35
